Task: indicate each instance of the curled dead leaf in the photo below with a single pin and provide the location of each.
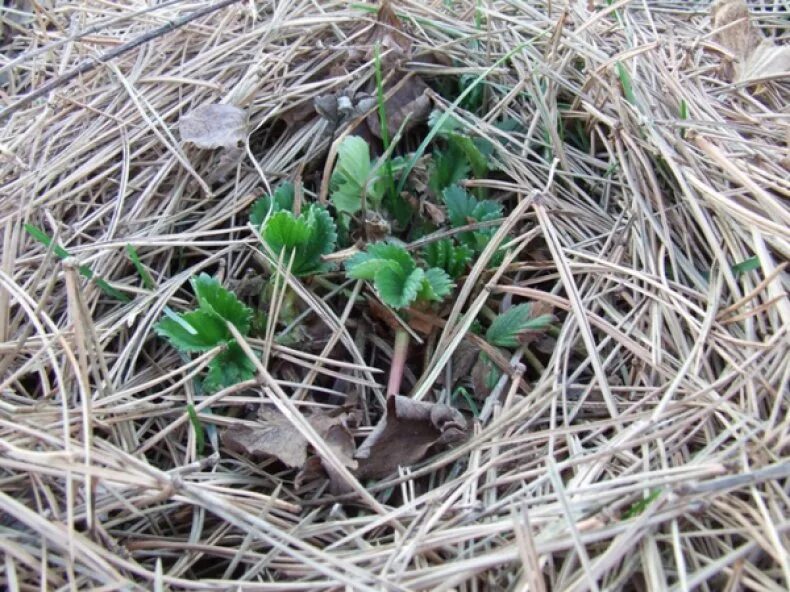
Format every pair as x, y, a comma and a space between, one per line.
214, 126
405, 434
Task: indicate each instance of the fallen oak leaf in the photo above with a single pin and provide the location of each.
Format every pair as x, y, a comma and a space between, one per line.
405, 434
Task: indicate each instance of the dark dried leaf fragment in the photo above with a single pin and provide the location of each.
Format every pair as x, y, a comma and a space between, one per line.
405, 434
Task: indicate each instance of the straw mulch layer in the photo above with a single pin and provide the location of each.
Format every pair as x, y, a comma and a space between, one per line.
641, 445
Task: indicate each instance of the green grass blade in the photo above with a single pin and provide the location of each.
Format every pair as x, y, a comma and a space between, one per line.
747, 265
200, 438
84, 270
385, 135
625, 81
148, 281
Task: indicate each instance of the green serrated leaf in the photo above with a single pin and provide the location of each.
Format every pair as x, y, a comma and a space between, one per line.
322, 241
477, 160
195, 331
215, 299
447, 168
230, 367
284, 231
281, 199
460, 205
448, 256
353, 178
396, 287
508, 326
436, 284
443, 127
363, 266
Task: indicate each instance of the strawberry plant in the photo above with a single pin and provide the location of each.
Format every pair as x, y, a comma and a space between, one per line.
399, 282
449, 256
205, 328
464, 209
303, 239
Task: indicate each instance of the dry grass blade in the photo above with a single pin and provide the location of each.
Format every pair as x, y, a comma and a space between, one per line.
642, 162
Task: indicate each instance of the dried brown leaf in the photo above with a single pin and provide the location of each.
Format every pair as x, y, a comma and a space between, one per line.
277, 436
388, 33
405, 434
767, 60
410, 103
734, 28
214, 126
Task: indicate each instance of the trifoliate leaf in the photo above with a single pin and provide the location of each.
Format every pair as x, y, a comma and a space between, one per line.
436, 284
281, 199
230, 367
508, 326
215, 299
446, 255
397, 287
352, 177
363, 266
195, 331
447, 167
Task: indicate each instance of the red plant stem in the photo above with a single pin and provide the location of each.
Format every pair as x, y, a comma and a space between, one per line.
399, 352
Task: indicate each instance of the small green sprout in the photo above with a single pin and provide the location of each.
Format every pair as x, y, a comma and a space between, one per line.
509, 327
447, 255
304, 238
205, 328
397, 278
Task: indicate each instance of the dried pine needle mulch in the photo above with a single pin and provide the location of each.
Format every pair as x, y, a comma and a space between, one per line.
645, 451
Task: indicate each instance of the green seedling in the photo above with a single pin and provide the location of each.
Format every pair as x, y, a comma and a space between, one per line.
148, 281
399, 282
464, 209
206, 327
84, 270
625, 82
302, 240
200, 439
449, 256
356, 182
638, 507
281, 200
509, 328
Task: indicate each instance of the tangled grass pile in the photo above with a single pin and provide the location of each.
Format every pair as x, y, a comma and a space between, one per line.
582, 277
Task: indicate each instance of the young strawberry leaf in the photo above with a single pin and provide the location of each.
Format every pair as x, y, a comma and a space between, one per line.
305, 238
230, 367
446, 255
281, 199
396, 277
463, 208
448, 167
474, 156
435, 285
352, 178
222, 303
507, 328
196, 331
398, 287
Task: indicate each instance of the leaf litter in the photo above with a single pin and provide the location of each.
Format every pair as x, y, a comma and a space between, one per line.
99, 418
